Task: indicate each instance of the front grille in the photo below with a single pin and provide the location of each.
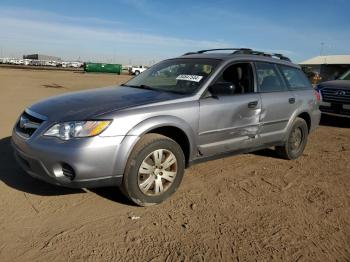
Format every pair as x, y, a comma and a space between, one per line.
28, 124
340, 96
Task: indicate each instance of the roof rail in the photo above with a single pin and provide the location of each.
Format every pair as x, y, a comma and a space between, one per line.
217, 49
246, 51
282, 57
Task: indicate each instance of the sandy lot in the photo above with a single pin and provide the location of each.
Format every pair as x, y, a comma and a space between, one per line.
252, 207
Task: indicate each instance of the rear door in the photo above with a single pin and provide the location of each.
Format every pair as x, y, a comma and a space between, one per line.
278, 102
230, 122
300, 86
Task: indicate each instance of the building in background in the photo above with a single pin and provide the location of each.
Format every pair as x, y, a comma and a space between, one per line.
42, 57
326, 68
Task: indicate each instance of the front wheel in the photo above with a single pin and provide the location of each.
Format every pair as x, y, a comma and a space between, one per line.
137, 73
296, 141
154, 170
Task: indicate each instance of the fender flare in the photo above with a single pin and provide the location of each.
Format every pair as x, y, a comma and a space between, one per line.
134, 135
291, 120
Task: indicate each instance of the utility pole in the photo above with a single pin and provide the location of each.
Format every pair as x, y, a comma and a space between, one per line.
322, 48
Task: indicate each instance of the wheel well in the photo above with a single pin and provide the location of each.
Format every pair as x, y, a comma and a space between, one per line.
307, 119
178, 136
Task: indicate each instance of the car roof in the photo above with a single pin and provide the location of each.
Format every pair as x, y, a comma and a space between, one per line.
250, 56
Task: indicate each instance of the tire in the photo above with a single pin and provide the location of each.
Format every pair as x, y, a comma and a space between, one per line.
137, 73
144, 174
293, 148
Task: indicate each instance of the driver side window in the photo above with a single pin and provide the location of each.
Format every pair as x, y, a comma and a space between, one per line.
236, 79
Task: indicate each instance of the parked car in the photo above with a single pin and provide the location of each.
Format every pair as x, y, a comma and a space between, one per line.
72, 64
336, 96
136, 70
50, 63
26, 62
17, 61
142, 135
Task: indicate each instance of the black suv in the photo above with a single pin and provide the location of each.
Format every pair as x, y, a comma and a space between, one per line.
336, 96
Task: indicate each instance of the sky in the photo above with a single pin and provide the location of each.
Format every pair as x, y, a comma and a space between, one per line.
147, 31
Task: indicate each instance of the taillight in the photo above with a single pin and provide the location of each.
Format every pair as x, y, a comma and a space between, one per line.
317, 95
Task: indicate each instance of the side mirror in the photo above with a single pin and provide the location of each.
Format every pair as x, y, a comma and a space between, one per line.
222, 89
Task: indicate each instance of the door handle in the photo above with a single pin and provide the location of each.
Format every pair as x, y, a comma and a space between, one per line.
291, 100
252, 104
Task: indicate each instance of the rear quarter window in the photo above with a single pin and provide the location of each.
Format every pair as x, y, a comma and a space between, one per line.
295, 78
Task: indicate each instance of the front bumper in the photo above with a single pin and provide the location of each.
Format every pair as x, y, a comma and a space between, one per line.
97, 161
335, 109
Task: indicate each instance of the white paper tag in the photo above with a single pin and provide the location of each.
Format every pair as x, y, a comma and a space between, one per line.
193, 78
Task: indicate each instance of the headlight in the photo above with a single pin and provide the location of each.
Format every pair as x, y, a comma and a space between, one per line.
68, 130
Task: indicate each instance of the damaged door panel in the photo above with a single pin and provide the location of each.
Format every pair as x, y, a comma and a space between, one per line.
234, 123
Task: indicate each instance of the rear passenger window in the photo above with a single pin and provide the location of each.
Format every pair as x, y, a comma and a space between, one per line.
269, 79
295, 78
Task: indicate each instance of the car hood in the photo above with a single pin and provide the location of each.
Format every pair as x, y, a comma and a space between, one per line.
343, 84
92, 103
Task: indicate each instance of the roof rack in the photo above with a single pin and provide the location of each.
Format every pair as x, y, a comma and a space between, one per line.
246, 51
218, 49
282, 57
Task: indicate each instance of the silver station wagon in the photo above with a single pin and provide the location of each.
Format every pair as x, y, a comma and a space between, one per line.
143, 134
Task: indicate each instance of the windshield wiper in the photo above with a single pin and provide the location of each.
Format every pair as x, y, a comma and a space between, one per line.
154, 89
141, 86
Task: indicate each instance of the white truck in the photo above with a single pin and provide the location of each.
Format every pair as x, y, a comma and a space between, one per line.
136, 70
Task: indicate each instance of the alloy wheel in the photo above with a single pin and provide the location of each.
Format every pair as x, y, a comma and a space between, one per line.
157, 172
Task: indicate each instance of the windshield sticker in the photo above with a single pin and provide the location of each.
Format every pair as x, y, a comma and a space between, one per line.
193, 78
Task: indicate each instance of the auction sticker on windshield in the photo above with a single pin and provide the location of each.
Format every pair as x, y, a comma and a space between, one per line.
193, 78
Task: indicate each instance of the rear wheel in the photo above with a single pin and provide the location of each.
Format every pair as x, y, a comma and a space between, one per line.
137, 73
154, 170
296, 141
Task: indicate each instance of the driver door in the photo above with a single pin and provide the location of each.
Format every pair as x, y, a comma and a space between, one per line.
229, 120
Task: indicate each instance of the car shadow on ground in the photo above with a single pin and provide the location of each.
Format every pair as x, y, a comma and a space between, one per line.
13, 176
113, 194
326, 120
267, 152
335, 121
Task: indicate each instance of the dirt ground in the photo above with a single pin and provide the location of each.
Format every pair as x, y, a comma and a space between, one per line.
252, 207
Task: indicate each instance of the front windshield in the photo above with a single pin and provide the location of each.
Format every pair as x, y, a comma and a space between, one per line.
183, 76
345, 76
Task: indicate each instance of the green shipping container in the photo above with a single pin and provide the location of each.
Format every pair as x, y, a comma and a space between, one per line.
103, 68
